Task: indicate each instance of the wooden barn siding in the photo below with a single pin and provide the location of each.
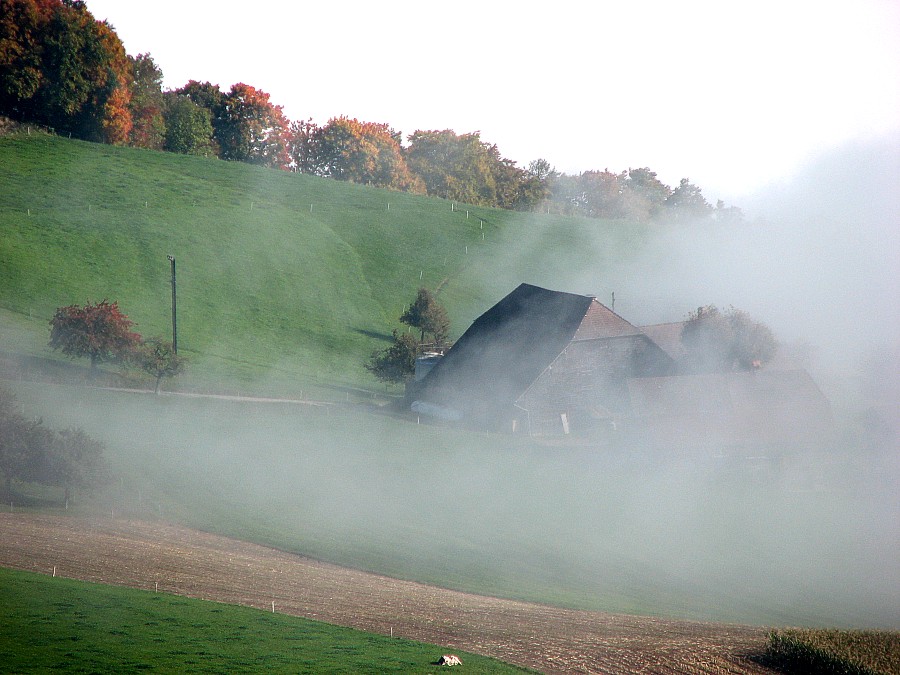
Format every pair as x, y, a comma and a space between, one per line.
587, 383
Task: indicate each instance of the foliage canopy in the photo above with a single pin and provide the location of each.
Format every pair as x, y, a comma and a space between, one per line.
98, 331
719, 341
157, 358
429, 316
61, 68
397, 363
29, 451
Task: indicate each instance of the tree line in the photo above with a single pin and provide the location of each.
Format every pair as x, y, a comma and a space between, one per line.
61, 68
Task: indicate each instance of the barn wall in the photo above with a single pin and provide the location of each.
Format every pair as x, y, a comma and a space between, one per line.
587, 383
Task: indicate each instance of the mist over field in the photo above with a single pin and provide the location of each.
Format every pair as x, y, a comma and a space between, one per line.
807, 538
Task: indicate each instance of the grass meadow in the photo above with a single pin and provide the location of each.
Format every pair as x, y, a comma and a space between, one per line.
284, 280
67, 626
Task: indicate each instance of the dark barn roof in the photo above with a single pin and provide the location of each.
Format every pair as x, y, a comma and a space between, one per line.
507, 348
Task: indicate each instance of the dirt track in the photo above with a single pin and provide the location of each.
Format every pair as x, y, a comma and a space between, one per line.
200, 565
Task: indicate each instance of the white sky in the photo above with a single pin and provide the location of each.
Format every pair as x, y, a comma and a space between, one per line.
733, 95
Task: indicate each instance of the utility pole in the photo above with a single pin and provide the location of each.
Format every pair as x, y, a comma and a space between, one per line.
174, 315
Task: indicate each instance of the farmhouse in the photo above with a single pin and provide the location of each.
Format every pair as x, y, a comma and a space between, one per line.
549, 363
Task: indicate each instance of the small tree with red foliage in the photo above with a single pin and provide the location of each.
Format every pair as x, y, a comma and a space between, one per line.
99, 331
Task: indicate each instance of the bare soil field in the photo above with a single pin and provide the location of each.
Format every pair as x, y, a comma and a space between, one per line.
186, 562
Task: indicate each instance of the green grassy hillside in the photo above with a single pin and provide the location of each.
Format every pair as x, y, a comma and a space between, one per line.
279, 275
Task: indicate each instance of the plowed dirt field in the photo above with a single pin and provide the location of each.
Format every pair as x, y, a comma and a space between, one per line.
200, 565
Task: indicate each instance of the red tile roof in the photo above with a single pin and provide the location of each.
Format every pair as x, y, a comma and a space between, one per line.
668, 337
601, 322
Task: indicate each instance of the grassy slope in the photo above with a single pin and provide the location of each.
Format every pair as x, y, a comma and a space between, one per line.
279, 275
498, 515
61, 625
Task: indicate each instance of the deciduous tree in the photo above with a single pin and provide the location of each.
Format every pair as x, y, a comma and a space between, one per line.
157, 358
22, 25
718, 341
148, 128
62, 68
645, 195
22, 444
397, 363
595, 194
75, 461
189, 128
204, 94
688, 203
350, 150
453, 166
728, 215
99, 331
301, 147
464, 168
249, 128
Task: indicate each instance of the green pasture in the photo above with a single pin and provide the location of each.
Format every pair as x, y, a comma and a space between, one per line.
66, 626
284, 280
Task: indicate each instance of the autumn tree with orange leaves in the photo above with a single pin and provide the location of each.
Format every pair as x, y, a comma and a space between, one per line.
147, 105
62, 68
249, 128
465, 168
349, 150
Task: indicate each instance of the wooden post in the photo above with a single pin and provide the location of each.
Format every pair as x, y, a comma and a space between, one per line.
174, 314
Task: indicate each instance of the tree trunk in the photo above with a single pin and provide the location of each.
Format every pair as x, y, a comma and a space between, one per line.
158, 380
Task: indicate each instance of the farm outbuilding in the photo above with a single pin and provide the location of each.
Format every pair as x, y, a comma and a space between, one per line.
550, 363
761, 408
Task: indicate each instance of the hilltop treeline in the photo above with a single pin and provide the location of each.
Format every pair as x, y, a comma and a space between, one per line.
63, 69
